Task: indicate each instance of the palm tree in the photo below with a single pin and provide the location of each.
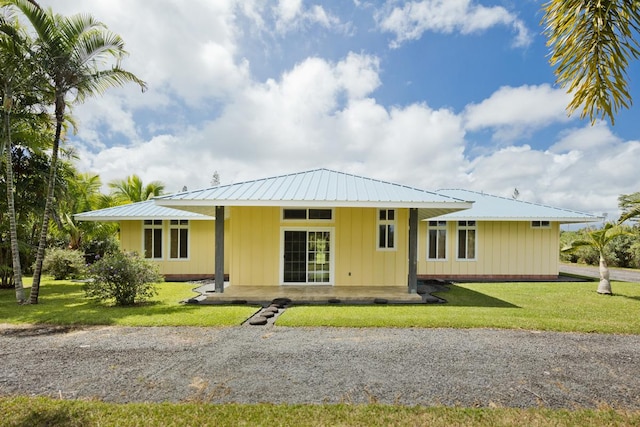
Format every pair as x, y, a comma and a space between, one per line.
599, 239
73, 50
630, 205
591, 44
131, 189
16, 78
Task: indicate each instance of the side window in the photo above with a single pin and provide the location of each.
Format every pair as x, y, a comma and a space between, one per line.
467, 240
152, 233
540, 224
386, 229
179, 239
437, 240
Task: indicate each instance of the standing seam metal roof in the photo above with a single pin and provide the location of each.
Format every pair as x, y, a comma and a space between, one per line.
318, 185
141, 210
490, 207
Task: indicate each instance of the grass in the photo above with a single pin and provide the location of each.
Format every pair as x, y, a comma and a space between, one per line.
23, 411
550, 306
64, 303
541, 306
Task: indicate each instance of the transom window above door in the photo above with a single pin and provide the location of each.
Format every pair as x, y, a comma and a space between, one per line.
302, 214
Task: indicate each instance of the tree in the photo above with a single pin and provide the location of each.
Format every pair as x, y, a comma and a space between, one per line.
131, 189
73, 51
599, 239
591, 44
630, 205
18, 79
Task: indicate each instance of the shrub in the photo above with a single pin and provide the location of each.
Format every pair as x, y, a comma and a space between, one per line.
64, 263
125, 278
97, 248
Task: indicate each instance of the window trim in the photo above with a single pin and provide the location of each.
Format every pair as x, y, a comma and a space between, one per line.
179, 226
540, 224
440, 226
307, 215
153, 224
467, 227
387, 222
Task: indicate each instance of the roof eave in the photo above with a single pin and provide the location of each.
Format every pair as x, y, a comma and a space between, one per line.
186, 204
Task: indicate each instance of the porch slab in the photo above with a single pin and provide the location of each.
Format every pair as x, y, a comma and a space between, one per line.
314, 294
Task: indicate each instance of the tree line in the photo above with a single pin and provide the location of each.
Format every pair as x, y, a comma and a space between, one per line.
52, 64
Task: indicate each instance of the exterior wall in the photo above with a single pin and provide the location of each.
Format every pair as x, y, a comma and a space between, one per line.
256, 253
201, 260
253, 239
358, 261
505, 250
255, 246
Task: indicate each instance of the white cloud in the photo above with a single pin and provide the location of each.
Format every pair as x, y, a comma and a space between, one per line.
291, 14
322, 113
414, 18
512, 111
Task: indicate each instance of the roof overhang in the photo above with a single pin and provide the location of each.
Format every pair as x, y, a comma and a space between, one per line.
425, 209
559, 220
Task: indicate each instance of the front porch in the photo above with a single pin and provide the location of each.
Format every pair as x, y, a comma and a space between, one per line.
310, 294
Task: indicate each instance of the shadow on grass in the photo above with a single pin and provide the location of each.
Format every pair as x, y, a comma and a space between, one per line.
54, 417
65, 304
458, 296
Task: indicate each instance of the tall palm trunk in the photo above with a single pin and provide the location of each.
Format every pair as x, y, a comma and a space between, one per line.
42, 243
13, 229
604, 287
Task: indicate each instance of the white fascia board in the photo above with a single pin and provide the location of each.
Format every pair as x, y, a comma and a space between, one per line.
136, 218
566, 220
316, 203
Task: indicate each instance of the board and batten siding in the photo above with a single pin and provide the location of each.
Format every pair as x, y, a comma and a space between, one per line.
254, 246
201, 249
509, 249
358, 261
256, 239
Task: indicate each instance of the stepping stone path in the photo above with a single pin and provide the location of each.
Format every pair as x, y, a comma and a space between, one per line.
267, 315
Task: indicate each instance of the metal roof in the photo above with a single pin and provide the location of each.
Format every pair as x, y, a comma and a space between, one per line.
318, 187
139, 211
488, 207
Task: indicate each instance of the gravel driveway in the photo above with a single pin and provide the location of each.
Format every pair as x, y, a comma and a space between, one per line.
244, 364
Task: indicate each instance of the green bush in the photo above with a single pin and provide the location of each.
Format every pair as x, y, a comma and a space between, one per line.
64, 263
124, 278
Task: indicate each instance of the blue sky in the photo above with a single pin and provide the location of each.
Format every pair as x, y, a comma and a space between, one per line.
433, 94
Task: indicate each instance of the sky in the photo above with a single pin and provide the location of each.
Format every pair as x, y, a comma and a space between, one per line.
434, 94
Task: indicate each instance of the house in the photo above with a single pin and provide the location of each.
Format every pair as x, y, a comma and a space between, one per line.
323, 227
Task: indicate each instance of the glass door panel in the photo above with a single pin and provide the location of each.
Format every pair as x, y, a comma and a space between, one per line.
307, 257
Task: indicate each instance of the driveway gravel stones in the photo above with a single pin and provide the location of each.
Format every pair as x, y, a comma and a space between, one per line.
479, 367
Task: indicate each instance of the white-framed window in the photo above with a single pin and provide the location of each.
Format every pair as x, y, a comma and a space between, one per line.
386, 229
437, 240
178, 239
540, 224
152, 234
311, 214
467, 241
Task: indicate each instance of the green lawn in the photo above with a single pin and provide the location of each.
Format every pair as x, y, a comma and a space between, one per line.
63, 303
541, 306
553, 306
23, 411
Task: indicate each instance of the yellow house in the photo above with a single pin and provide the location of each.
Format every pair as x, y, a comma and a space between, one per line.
323, 227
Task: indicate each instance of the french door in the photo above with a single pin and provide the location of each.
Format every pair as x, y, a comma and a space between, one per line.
307, 257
